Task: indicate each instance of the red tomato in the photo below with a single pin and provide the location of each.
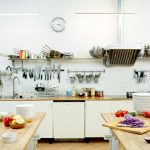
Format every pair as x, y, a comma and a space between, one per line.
121, 113
117, 114
146, 114
7, 120
124, 112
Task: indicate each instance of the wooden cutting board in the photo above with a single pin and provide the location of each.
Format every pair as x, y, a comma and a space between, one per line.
113, 125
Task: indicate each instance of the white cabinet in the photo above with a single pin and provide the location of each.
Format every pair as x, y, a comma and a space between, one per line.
68, 119
122, 104
8, 106
46, 128
94, 120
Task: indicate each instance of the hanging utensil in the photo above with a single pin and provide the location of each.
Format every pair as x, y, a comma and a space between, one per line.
48, 47
105, 58
45, 73
50, 73
1, 83
53, 71
34, 74
58, 73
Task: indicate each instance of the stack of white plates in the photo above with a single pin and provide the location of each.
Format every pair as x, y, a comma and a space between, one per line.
25, 110
141, 102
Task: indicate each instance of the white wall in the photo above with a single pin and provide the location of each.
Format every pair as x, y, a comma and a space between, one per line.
81, 34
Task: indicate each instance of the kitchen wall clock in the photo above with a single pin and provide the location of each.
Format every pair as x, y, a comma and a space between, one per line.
58, 24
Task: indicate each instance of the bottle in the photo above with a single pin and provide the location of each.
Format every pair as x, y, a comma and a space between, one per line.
20, 54
92, 92
74, 91
68, 93
23, 54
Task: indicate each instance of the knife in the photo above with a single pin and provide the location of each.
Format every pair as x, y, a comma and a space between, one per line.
50, 68
59, 72
53, 71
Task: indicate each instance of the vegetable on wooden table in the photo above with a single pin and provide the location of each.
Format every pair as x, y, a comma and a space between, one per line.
132, 121
121, 113
132, 114
7, 121
147, 114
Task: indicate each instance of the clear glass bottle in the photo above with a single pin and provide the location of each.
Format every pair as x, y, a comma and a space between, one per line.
74, 91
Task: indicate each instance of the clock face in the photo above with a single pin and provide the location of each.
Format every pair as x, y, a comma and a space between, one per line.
58, 24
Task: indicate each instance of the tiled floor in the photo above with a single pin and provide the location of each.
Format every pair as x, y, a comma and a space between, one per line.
92, 145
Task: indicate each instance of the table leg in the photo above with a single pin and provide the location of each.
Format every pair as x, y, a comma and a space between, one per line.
113, 142
33, 142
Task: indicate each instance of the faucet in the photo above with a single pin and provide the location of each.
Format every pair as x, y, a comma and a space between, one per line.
15, 94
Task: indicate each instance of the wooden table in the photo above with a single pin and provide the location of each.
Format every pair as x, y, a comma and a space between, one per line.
130, 141
24, 135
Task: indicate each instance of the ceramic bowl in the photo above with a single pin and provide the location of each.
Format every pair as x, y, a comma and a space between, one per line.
141, 102
17, 126
147, 139
8, 137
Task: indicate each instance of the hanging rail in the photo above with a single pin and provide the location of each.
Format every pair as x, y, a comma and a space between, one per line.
103, 71
141, 70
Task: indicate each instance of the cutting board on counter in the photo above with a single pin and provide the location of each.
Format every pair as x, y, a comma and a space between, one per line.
113, 125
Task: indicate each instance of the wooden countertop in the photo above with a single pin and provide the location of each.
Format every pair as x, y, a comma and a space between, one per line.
130, 141
24, 135
61, 98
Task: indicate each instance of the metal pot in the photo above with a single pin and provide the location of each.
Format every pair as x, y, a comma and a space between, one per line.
40, 87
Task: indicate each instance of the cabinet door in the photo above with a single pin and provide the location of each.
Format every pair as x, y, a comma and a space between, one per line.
46, 127
124, 105
8, 106
94, 120
68, 119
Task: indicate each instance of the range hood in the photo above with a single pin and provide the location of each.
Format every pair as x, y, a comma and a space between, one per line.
118, 55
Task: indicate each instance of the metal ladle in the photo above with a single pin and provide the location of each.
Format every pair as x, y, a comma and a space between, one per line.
89, 78
80, 78
96, 77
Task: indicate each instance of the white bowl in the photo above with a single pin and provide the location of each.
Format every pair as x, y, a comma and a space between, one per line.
141, 102
25, 110
147, 139
9, 137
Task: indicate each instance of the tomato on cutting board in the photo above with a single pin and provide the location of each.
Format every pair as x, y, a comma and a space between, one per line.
121, 113
147, 114
117, 114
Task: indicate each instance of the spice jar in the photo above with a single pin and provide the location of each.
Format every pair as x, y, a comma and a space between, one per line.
99, 93
92, 92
